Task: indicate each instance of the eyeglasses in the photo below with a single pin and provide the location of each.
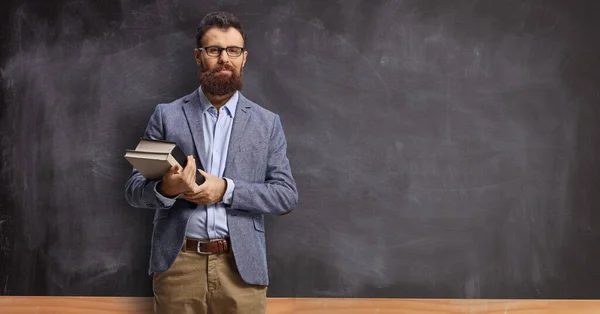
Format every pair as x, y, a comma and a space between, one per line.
215, 51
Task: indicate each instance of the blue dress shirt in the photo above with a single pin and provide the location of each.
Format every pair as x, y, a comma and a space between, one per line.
210, 221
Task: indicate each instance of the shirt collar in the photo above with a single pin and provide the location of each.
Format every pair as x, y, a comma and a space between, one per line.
230, 105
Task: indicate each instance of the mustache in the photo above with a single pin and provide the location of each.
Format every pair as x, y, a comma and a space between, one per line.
227, 67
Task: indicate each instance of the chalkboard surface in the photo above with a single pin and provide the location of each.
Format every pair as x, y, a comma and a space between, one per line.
445, 149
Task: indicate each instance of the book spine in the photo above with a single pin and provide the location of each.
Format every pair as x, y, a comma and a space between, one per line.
179, 155
181, 158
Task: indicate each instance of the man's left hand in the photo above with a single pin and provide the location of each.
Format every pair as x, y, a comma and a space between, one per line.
209, 192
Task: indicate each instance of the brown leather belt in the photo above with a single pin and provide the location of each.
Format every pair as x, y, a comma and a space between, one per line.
206, 246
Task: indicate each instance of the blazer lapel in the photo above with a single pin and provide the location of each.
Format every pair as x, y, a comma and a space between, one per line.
193, 114
242, 114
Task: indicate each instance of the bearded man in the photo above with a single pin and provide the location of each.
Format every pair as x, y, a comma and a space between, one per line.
208, 252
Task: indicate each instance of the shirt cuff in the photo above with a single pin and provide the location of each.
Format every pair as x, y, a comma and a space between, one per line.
228, 196
166, 202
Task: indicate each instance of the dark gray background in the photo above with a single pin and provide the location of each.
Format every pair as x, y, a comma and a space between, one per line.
441, 148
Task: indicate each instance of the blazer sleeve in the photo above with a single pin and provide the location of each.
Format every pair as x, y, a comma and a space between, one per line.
139, 191
278, 194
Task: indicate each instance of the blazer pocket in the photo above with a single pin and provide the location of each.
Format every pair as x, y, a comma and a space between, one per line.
161, 214
259, 224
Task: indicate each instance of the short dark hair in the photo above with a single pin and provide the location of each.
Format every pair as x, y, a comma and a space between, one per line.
222, 20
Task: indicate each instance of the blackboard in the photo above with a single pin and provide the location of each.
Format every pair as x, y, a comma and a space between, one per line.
443, 149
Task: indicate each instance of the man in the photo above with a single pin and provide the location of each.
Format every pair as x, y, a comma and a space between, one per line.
208, 245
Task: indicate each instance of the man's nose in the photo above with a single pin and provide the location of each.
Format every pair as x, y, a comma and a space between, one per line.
224, 57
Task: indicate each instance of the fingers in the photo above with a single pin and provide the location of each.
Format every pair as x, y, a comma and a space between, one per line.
194, 197
196, 191
199, 195
189, 173
190, 163
174, 169
171, 171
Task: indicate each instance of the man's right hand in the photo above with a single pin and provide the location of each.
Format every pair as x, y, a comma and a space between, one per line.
175, 182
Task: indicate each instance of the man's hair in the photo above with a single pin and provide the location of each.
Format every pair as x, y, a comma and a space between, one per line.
221, 20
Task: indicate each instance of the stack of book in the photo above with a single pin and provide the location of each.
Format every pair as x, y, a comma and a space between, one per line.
152, 158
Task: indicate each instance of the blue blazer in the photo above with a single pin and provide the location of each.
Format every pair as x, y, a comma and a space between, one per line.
256, 162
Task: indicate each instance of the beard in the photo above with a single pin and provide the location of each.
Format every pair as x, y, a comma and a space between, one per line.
213, 82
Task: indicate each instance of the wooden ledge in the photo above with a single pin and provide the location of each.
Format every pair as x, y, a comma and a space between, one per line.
106, 305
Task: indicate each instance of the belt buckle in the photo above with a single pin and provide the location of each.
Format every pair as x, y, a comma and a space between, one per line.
201, 252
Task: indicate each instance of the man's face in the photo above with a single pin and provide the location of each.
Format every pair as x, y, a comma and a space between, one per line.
222, 74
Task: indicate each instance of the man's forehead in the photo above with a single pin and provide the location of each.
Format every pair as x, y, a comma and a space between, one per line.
229, 36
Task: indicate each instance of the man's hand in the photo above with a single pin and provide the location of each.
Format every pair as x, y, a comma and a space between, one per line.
175, 182
209, 192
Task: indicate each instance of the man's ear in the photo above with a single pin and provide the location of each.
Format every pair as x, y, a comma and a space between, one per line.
245, 58
197, 56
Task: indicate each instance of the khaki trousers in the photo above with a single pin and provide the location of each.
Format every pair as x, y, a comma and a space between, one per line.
198, 284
